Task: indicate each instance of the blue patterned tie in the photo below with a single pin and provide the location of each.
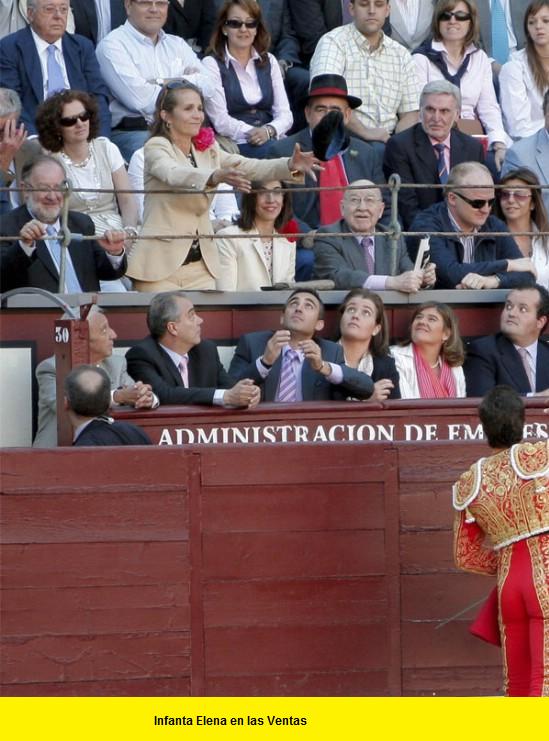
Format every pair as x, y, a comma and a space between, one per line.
500, 38
441, 164
56, 81
72, 284
287, 389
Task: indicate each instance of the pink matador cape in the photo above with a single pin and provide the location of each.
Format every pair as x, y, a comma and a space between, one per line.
505, 499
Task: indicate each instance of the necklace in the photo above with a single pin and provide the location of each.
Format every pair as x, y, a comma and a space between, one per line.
83, 163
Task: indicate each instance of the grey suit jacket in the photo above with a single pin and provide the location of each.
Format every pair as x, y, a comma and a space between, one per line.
342, 259
46, 437
399, 31
518, 8
531, 152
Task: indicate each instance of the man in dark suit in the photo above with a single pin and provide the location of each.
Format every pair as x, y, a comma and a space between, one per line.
87, 400
185, 19
42, 59
359, 161
87, 21
180, 366
290, 365
362, 260
414, 153
31, 260
516, 356
312, 19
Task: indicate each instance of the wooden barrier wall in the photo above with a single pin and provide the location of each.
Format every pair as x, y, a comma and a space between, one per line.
298, 569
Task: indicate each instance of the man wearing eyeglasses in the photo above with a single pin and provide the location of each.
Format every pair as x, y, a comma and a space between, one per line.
474, 258
43, 59
136, 60
361, 260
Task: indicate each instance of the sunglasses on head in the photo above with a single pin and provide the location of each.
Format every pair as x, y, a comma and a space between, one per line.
71, 120
476, 203
518, 195
234, 23
459, 15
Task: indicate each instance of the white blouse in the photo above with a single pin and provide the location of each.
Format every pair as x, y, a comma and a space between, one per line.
521, 101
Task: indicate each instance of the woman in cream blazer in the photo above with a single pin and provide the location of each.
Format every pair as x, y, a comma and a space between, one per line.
175, 249
247, 263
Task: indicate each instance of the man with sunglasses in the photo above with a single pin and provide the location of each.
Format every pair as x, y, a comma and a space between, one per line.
136, 60
475, 257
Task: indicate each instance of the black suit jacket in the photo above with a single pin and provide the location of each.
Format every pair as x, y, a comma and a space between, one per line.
312, 19
361, 161
385, 367
149, 363
184, 20
411, 155
314, 385
89, 258
85, 17
494, 360
104, 431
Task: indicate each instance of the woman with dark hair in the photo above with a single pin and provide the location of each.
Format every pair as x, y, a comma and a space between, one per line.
520, 205
249, 263
524, 78
453, 54
250, 105
501, 528
430, 363
183, 167
364, 337
68, 127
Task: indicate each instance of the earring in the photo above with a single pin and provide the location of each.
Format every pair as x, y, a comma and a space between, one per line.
168, 125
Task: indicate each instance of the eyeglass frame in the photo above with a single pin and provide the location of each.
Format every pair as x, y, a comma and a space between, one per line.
68, 121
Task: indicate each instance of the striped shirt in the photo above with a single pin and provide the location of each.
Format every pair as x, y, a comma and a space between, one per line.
385, 78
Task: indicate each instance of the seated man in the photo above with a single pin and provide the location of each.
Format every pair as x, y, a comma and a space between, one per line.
32, 260
378, 70
516, 356
124, 390
362, 260
426, 152
43, 59
290, 365
87, 401
180, 366
358, 161
477, 259
136, 60
532, 152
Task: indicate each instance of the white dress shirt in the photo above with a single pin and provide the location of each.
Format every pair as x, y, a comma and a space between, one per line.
216, 106
42, 49
521, 101
103, 12
133, 67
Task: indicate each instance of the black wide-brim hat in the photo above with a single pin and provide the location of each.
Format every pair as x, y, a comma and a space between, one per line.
329, 136
334, 85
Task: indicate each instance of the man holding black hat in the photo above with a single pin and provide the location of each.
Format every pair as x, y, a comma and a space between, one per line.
353, 159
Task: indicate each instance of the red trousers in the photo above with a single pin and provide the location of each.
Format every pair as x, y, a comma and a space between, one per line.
523, 586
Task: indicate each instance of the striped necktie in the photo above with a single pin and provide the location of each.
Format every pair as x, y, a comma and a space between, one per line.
287, 388
184, 370
441, 164
367, 245
72, 284
500, 37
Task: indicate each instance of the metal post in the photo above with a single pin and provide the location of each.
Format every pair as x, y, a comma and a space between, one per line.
394, 225
65, 238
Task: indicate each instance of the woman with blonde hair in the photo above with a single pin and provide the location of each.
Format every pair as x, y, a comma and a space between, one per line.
430, 363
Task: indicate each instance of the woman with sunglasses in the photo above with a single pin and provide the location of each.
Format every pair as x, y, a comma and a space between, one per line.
429, 364
521, 206
364, 337
250, 105
249, 263
183, 167
67, 125
453, 54
525, 77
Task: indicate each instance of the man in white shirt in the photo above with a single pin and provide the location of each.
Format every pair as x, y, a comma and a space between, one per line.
136, 60
378, 70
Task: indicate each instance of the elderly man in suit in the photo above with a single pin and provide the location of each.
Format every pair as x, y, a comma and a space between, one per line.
44, 58
181, 367
362, 260
291, 365
516, 356
533, 152
32, 260
13, 17
87, 399
124, 390
426, 152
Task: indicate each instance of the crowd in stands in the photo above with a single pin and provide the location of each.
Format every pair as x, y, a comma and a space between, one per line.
229, 115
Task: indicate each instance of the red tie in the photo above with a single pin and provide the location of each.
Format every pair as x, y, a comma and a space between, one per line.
331, 176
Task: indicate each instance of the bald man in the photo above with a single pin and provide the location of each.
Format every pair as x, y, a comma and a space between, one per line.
363, 260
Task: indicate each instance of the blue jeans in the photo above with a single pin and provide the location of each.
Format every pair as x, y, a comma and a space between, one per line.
128, 141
